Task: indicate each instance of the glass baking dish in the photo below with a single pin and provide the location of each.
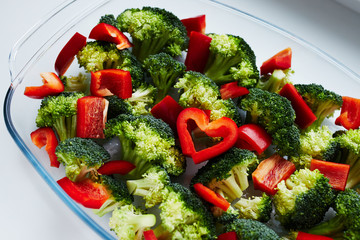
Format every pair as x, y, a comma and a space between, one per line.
37, 50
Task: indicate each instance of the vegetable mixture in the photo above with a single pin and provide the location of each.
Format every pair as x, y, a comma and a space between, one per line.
265, 151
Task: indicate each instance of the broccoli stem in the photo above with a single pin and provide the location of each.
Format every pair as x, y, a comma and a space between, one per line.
217, 67
144, 48
65, 127
107, 207
138, 187
240, 173
230, 188
354, 173
330, 227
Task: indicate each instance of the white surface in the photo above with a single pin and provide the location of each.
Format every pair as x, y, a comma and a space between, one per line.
30, 210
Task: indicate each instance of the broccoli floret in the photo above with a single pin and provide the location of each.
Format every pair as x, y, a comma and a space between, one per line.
251, 230
117, 106
256, 208
108, 19
346, 223
153, 30
231, 59
80, 156
275, 81
59, 112
150, 186
99, 55
142, 99
227, 174
183, 215
120, 195
276, 115
164, 71
321, 101
146, 141
128, 222
303, 199
79, 83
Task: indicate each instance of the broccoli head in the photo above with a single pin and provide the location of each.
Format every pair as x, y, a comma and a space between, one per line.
256, 208
117, 106
108, 19
142, 99
79, 83
275, 81
153, 30
81, 156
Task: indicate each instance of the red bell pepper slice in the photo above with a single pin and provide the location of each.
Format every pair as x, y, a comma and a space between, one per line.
232, 90
350, 113
116, 167
86, 192
109, 82
46, 137
270, 172
198, 52
308, 236
167, 110
91, 117
281, 60
197, 24
149, 235
337, 173
109, 33
52, 85
210, 196
255, 138
223, 127
304, 116
68, 53
227, 236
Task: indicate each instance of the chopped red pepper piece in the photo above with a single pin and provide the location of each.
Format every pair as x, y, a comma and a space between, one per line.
167, 110
223, 127
111, 82
253, 137
198, 52
227, 236
281, 60
304, 116
86, 192
337, 173
52, 85
68, 53
210, 196
197, 24
109, 33
270, 172
149, 235
116, 167
308, 236
350, 113
232, 90
46, 136
91, 117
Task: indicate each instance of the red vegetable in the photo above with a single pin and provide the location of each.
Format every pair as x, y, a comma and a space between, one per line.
227, 236
223, 127
86, 192
109, 33
210, 196
350, 113
46, 136
111, 82
116, 167
253, 137
52, 85
197, 24
308, 236
337, 173
68, 53
149, 235
270, 172
232, 90
91, 117
167, 110
198, 52
281, 60
304, 116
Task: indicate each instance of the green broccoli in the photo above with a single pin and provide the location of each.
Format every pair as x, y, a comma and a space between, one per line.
231, 59
129, 222
79, 83
142, 99
227, 174
146, 141
303, 199
275, 81
80, 156
321, 101
153, 30
276, 115
59, 112
117, 106
256, 208
164, 71
108, 19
